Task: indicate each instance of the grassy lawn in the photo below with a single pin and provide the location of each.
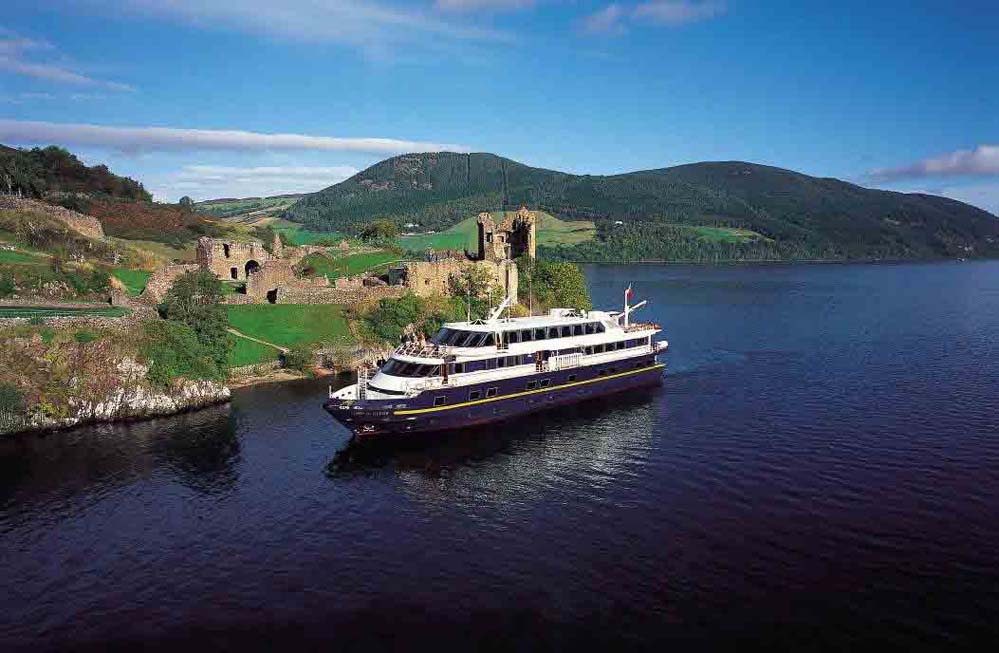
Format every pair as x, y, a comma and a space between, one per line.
725, 234
289, 324
464, 235
134, 280
7, 256
333, 267
246, 352
298, 236
55, 311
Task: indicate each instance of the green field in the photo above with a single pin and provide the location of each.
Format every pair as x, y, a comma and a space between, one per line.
8, 256
134, 280
464, 235
724, 234
338, 266
289, 324
57, 311
246, 352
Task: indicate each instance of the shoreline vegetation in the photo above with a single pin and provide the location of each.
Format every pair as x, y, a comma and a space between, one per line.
63, 372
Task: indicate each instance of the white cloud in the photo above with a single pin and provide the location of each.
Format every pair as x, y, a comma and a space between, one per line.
480, 5
614, 19
981, 161
984, 196
167, 138
212, 181
678, 12
372, 27
13, 59
608, 20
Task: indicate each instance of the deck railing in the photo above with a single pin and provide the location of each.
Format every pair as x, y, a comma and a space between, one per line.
428, 350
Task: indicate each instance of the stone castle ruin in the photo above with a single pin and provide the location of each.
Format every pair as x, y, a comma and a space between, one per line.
270, 275
498, 246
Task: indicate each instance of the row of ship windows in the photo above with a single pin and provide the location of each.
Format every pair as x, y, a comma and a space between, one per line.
456, 338
475, 395
400, 368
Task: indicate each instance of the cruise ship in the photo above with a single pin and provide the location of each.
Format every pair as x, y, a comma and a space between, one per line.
482, 371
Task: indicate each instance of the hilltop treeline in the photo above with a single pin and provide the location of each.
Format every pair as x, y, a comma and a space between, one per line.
800, 214
43, 172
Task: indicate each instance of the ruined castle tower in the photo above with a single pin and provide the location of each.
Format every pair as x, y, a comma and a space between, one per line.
230, 260
512, 238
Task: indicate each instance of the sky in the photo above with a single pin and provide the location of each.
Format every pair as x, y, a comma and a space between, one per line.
216, 98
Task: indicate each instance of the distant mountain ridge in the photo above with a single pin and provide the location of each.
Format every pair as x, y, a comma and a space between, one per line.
801, 216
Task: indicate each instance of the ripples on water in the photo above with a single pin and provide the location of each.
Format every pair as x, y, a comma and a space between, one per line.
820, 470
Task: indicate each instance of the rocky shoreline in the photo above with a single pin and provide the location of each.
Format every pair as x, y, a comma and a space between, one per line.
131, 404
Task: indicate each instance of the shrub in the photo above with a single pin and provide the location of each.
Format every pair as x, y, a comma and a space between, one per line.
299, 357
7, 286
84, 336
195, 300
173, 350
11, 408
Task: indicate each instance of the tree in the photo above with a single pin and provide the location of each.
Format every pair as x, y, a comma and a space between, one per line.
186, 203
554, 284
380, 229
195, 299
474, 286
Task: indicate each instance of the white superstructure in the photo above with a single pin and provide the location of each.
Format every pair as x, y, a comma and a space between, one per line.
467, 353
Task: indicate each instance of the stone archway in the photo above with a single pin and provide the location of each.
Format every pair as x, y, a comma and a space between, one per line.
251, 267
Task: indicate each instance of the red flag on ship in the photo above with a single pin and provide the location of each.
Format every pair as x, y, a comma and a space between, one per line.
628, 293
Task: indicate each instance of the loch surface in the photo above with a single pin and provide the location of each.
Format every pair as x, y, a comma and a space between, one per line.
820, 469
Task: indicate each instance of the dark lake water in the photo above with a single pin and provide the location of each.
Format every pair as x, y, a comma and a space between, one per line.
819, 470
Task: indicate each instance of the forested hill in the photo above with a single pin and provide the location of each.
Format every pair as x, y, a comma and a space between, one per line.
794, 215
42, 172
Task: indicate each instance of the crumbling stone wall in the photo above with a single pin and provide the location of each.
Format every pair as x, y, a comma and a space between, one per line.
231, 260
86, 225
333, 295
434, 277
270, 276
162, 279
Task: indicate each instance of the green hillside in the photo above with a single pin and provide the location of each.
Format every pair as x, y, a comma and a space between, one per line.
795, 216
247, 209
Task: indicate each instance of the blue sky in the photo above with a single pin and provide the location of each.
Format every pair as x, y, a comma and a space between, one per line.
206, 98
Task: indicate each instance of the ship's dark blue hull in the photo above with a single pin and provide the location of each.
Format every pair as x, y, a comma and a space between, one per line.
468, 405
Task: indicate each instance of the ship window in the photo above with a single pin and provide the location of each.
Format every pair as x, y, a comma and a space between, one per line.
572, 377
489, 341
490, 392
553, 332
526, 335
531, 385
514, 336
566, 331
539, 334
441, 337
459, 368
545, 383
440, 401
577, 330
599, 327
602, 373
512, 360
500, 362
589, 328
474, 394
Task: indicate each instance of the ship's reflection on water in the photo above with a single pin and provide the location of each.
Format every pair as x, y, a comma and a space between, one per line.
595, 439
